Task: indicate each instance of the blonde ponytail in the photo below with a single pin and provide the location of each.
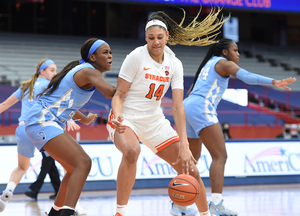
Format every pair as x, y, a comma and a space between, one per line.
29, 84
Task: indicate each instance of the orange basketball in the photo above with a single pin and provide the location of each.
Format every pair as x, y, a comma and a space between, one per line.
184, 190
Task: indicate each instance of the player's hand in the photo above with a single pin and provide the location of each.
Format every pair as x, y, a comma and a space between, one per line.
282, 83
71, 125
91, 117
186, 157
118, 124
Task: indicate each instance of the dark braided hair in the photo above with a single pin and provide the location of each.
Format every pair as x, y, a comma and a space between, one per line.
55, 81
214, 50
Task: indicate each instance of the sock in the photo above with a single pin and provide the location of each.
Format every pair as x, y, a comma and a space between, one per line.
122, 209
207, 213
56, 207
54, 212
216, 198
11, 186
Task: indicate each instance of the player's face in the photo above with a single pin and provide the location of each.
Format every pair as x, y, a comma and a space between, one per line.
156, 38
49, 72
102, 58
233, 53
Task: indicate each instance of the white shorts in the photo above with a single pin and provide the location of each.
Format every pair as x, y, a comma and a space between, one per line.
153, 130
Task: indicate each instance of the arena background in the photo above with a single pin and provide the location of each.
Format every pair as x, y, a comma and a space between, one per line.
267, 29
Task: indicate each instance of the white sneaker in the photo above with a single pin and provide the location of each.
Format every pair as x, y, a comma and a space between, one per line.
182, 210
79, 210
220, 210
5, 197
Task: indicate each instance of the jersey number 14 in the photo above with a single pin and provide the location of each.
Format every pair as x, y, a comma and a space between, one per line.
158, 93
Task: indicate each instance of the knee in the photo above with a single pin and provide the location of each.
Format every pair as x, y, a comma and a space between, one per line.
131, 155
194, 173
221, 157
86, 163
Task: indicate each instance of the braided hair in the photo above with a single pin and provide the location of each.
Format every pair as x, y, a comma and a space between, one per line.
195, 33
214, 50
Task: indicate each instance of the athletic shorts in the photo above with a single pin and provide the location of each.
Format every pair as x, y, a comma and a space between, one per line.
41, 134
153, 130
196, 117
24, 145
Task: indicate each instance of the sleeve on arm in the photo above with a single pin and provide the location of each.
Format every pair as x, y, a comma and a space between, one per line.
177, 79
130, 67
18, 93
252, 78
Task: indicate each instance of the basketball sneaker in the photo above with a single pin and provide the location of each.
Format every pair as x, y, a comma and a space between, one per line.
5, 197
220, 210
79, 210
182, 210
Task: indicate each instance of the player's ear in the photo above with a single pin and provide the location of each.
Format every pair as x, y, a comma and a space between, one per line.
224, 52
92, 57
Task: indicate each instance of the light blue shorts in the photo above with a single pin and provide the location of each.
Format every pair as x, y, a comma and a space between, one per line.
196, 116
24, 144
40, 135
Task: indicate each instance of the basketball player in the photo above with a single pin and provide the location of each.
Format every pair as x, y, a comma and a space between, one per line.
211, 80
67, 92
145, 76
45, 70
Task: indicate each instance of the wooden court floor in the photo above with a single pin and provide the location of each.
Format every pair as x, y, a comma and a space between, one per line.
254, 200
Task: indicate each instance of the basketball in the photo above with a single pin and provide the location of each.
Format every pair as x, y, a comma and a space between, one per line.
184, 190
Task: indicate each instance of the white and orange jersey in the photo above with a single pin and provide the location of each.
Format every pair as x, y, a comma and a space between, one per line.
149, 79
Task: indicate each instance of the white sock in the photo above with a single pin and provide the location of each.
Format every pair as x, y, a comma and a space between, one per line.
67, 207
216, 198
56, 208
11, 186
207, 213
121, 209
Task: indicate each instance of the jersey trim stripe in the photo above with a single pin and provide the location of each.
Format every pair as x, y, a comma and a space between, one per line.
166, 143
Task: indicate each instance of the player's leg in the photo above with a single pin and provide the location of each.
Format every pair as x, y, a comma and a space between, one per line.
169, 154
195, 147
212, 138
65, 150
129, 146
15, 178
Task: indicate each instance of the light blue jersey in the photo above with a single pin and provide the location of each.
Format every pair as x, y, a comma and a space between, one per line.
26, 104
201, 104
24, 144
48, 116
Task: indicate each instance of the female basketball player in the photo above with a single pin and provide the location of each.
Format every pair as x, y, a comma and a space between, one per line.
68, 91
146, 74
45, 70
211, 80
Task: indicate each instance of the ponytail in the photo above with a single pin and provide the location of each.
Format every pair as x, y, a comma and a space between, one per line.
214, 50
54, 83
29, 84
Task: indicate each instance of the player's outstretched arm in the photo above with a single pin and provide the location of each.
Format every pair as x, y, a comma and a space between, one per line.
283, 83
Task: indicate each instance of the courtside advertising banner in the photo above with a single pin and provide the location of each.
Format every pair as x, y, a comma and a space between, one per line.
264, 158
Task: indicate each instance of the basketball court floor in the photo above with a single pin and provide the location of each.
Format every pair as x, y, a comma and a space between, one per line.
254, 200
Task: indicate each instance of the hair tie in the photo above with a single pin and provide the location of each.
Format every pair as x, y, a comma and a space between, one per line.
81, 61
45, 64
